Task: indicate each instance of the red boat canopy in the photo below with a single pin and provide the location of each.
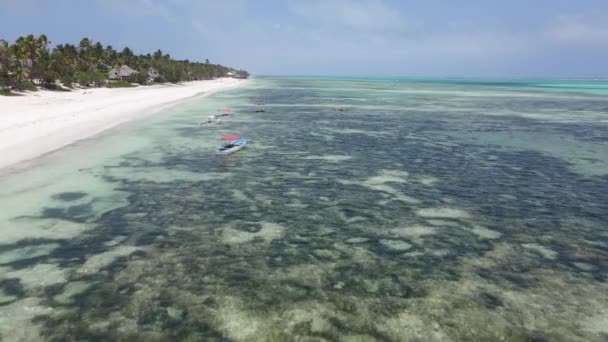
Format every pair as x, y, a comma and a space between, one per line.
231, 137
225, 110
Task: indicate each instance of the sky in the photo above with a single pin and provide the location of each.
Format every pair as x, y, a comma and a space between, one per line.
422, 38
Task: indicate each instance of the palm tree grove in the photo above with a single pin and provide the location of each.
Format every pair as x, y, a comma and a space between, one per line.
31, 63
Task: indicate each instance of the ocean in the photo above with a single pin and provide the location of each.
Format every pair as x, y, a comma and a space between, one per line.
362, 209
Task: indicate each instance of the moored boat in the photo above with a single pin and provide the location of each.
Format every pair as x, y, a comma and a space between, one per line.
211, 120
231, 144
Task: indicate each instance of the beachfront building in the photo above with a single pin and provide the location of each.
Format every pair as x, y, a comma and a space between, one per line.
237, 74
153, 74
122, 73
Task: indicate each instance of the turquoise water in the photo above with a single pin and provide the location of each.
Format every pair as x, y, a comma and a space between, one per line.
361, 210
588, 86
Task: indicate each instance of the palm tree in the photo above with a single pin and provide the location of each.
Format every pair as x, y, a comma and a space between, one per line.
22, 73
40, 59
97, 53
85, 62
158, 54
109, 56
6, 64
42, 45
22, 51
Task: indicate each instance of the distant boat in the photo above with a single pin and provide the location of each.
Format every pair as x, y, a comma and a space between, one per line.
211, 120
225, 112
231, 144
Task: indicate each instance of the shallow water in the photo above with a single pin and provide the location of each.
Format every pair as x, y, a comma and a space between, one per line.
389, 210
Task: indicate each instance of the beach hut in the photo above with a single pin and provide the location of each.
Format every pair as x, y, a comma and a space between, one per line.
121, 73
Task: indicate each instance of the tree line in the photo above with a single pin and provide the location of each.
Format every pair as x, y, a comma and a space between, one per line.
31, 63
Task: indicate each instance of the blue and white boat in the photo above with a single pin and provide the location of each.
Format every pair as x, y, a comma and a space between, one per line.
231, 144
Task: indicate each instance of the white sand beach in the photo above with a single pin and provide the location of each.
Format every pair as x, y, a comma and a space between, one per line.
44, 121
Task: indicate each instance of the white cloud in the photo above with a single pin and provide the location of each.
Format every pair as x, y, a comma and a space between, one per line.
21, 7
579, 29
359, 15
137, 8
213, 9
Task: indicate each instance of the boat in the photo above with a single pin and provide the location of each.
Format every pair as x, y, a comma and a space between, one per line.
211, 120
224, 112
231, 144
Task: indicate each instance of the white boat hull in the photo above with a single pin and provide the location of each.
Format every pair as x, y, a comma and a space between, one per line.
222, 150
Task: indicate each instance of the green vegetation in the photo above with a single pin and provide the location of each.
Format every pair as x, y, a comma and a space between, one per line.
31, 63
119, 84
6, 92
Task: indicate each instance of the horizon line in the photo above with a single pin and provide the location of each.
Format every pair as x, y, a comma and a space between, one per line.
512, 78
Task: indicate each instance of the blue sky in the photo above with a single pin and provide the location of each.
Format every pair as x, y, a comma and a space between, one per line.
476, 38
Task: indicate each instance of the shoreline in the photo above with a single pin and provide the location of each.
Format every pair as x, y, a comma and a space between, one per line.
42, 122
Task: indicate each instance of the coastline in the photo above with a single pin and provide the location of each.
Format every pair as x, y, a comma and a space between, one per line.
45, 121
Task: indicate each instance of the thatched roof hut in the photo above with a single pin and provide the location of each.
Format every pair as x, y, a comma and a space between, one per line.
121, 73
